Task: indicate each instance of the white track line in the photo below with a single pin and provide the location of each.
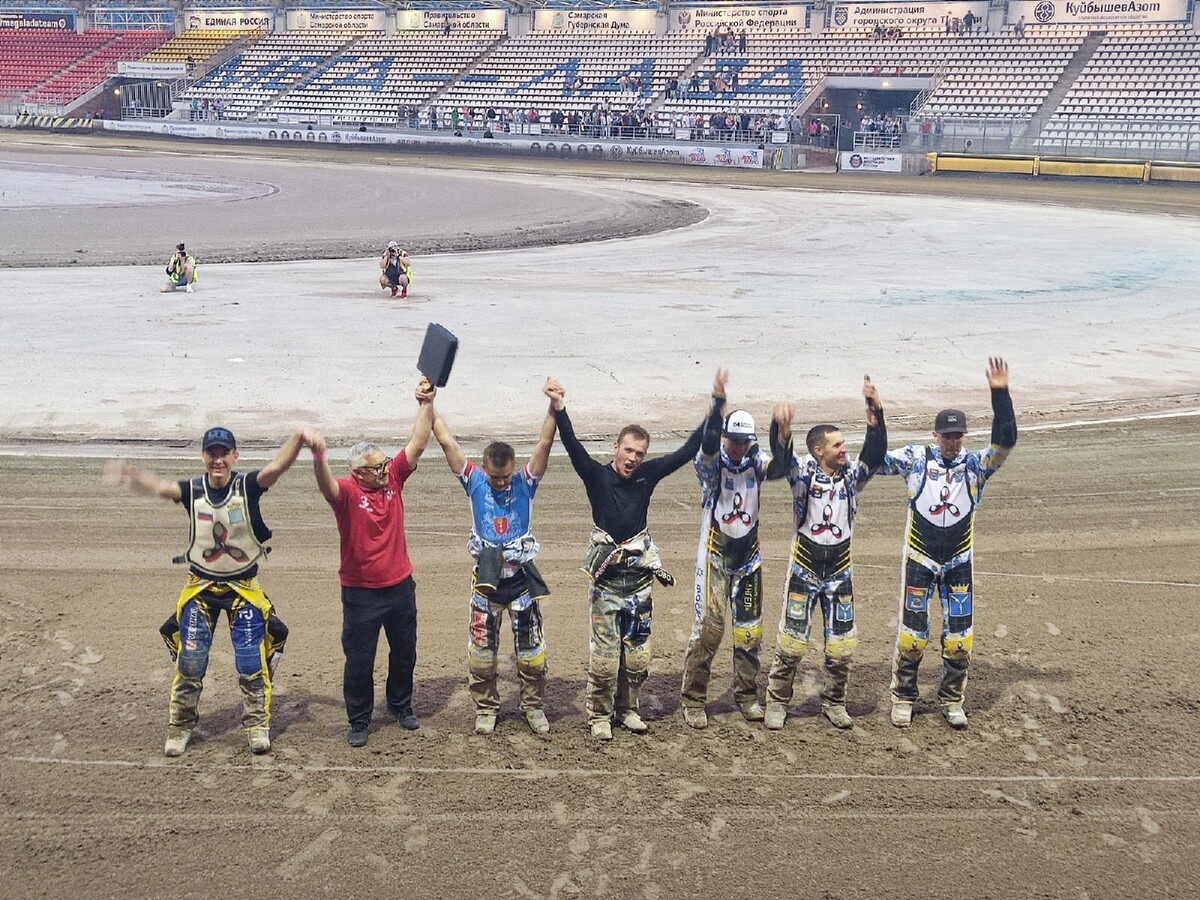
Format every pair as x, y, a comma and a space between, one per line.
91, 451
611, 773
1115, 420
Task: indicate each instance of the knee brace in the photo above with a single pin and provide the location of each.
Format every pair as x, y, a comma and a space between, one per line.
911, 646
958, 646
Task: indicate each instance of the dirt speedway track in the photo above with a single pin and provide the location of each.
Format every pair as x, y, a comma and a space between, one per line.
1077, 778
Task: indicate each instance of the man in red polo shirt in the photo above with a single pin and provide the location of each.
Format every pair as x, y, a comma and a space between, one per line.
376, 573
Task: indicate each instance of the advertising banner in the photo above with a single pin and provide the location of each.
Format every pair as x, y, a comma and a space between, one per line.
1066, 12
903, 15
872, 162
596, 21
541, 145
151, 70
336, 19
207, 19
751, 16
57, 20
457, 19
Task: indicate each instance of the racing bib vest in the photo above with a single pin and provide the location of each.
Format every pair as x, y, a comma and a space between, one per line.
942, 510
223, 542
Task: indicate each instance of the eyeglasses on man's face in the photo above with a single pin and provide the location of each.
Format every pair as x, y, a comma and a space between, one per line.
379, 470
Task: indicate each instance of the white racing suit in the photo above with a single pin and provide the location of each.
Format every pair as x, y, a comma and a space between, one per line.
819, 571
728, 574
939, 551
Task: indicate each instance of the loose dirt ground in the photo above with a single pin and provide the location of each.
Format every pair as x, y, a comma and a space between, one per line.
1076, 779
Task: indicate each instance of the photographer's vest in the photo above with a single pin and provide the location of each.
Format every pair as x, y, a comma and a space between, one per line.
227, 538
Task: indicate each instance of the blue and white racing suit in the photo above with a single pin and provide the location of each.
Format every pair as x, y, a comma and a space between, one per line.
939, 551
728, 572
819, 571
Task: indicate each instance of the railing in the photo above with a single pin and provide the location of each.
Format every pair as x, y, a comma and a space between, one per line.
964, 135
1060, 136
1128, 138
918, 101
878, 140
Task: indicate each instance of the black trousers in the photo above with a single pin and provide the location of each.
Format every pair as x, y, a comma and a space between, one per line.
364, 610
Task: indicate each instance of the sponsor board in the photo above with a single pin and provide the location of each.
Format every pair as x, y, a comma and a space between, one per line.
206, 19
55, 20
140, 127
713, 155
594, 20
903, 15
1046, 12
872, 162
753, 16
458, 19
151, 70
336, 19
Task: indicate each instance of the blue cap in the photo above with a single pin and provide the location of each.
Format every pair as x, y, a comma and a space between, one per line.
218, 437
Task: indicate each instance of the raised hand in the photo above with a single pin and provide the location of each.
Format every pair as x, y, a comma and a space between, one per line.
314, 440
556, 392
719, 381
425, 391
997, 374
871, 395
783, 414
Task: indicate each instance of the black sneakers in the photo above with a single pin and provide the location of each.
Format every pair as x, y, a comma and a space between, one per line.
357, 735
408, 722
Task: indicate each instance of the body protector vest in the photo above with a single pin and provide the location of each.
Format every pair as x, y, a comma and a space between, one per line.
733, 523
826, 522
942, 509
227, 538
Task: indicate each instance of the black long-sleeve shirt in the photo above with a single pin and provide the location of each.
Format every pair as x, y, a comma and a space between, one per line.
1004, 419
620, 505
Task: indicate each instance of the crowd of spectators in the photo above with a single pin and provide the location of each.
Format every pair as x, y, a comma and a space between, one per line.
603, 121
716, 83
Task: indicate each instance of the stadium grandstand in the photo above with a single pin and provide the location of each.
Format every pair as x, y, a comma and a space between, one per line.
1025, 76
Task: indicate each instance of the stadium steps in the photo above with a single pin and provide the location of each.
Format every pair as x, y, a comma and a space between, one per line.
470, 67
696, 65
1070, 74
315, 73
